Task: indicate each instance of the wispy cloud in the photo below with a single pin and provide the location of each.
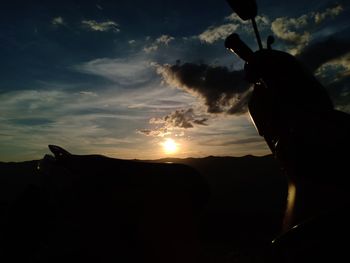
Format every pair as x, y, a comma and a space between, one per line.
163, 40
135, 70
215, 33
160, 132
101, 26
329, 12
335, 74
332, 68
58, 21
297, 32
286, 29
340, 64
250, 140
219, 32
262, 20
102, 122
332, 48
84, 121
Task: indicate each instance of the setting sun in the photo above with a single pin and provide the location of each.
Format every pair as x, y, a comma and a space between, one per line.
170, 146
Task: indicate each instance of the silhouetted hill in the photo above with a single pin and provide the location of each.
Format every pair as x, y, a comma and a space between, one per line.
247, 201
15, 177
245, 207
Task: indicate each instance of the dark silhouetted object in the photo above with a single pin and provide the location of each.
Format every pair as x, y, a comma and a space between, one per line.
245, 9
311, 140
236, 45
91, 208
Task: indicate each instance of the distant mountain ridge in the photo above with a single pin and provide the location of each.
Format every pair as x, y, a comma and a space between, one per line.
165, 159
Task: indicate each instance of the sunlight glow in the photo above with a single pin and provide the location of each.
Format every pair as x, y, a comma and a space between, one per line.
170, 146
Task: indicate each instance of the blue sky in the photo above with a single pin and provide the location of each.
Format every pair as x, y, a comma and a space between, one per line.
119, 77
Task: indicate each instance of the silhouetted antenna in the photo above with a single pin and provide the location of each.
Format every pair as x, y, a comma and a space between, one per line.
247, 10
270, 41
257, 34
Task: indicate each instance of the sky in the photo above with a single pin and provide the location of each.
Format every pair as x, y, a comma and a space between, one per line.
121, 78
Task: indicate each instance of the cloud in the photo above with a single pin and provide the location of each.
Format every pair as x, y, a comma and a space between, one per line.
178, 119
250, 140
163, 40
220, 32
153, 133
30, 121
282, 27
88, 93
135, 70
213, 34
286, 29
294, 31
183, 119
150, 48
332, 67
159, 104
89, 122
262, 20
330, 12
340, 93
341, 64
233, 17
58, 21
223, 91
297, 32
101, 26
83, 121
331, 48
335, 74
202, 121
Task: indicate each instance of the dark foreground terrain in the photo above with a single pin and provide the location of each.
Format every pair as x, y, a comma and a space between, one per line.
242, 216
246, 206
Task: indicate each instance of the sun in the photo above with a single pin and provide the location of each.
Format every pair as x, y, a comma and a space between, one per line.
170, 146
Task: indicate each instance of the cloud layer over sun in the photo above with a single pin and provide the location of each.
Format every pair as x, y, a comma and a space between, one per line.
113, 79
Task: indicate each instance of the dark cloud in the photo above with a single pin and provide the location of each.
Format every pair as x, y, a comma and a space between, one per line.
223, 91
241, 104
296, 32
202, 121
329, 59
340, 93
179, 119
315, 55
154, 133
183, 119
